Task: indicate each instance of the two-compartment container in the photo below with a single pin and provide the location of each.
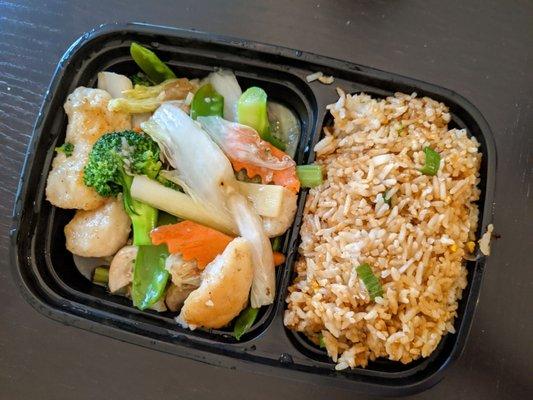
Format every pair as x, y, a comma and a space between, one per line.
44, 269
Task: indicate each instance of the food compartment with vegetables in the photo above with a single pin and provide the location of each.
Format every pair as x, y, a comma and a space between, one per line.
213, 142
162, 162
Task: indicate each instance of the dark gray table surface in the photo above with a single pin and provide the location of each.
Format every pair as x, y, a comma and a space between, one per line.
481, 49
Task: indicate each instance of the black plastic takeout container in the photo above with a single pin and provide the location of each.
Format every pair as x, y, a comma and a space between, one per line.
44, 269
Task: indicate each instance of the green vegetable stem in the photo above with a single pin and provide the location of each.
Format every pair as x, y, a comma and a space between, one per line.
143, 217
309, 175
156, 70
244, 321
252, 111
149, 276
206, 102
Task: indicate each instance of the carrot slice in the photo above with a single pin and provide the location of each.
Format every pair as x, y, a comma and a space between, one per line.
279, 258
196, 242
284, 177
192, 240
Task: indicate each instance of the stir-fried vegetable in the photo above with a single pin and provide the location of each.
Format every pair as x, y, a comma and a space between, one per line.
284, 126
112, 159
225, 83
371, 281
213, 184
248, 151
279, 258
143, 99
134, 106
114, 84
202, 189
150, 63
285, 177
252, 111
266, 199
321, 342
387, 198
187, 148
177, 203
243, 143
66, 148
310, 175
101, 275
432, 162
244, 321
206, 102
140, 78
171, 89
276, 243
165, 218
115, 152
193, 241
149, 276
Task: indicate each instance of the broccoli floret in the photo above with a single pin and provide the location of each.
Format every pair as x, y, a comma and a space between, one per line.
114, 158
116, 153
67, 148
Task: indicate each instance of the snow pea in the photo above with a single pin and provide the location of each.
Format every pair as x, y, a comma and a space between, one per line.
244, 321
207, 102
156, 70
149, 275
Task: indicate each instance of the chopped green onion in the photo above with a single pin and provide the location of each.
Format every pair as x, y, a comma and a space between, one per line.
244, 321
206, 102
156, 70
101, 275
67, 148
276, 243
370, 281
432, 162
385, 199
401, 130
309, 175
321, 342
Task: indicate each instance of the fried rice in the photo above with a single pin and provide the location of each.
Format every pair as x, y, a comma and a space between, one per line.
376, 207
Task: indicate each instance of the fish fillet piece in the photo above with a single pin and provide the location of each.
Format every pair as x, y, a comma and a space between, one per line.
224, 290
98, 233
89, 119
